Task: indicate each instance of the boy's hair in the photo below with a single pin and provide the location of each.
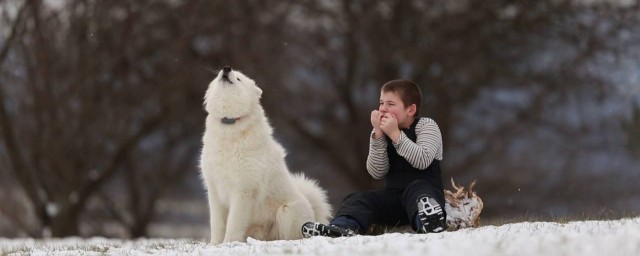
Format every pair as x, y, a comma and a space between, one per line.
408, 91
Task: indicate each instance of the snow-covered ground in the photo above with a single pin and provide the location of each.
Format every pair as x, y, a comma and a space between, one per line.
618, 237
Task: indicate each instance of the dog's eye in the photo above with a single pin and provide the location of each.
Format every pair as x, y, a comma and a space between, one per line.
238, 78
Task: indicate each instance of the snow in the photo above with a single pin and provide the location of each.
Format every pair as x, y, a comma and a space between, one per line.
617, 237
52, 209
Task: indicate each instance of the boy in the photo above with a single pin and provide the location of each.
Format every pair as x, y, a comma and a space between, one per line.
406, 151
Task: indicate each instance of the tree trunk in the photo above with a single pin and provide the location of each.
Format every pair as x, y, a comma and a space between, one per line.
139, 229
65, 223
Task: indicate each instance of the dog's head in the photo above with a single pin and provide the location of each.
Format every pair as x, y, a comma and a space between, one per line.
231, 96
463, 207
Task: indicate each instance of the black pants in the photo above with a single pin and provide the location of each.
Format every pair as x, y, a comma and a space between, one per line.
388, 206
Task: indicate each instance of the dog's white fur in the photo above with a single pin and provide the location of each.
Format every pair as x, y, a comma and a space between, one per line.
250, 190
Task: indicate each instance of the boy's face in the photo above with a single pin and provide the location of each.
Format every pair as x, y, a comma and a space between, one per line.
390, 102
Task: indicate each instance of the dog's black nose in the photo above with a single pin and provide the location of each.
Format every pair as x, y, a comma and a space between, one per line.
226, 70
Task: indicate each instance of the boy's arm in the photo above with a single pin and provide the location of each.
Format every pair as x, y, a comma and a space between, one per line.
428, 145
377, 161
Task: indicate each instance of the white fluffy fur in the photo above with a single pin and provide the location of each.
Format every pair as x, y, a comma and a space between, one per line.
250, 190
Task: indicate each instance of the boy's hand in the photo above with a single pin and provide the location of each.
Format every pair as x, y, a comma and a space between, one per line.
376, 117
389, 125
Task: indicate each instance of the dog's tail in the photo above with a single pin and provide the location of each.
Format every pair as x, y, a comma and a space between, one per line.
316, 196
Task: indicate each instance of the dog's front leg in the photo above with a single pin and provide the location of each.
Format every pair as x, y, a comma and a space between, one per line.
239, 218
217, 216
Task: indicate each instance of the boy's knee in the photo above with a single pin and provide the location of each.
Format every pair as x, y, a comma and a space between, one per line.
417, 188
418, 183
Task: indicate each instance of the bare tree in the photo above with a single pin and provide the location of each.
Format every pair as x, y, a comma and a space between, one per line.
75, 122
632, 128
101, 101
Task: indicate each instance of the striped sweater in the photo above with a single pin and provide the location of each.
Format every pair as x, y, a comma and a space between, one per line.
420, 154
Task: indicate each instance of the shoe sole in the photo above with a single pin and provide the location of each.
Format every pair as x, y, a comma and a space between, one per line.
430, 212
310, 229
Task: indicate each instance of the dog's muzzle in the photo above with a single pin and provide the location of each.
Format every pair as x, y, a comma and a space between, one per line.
225, 74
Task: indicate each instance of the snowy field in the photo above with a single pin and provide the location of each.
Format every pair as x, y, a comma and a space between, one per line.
619, 237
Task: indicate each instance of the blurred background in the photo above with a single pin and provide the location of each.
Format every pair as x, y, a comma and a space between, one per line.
101, 112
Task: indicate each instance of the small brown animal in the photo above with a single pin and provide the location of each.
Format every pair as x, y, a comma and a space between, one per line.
463, 207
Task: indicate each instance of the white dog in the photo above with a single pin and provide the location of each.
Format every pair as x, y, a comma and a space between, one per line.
251, 192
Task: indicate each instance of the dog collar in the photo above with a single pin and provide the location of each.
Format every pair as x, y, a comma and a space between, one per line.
226, 120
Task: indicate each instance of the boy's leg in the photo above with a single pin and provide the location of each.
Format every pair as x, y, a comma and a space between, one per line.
377, 206
424, 205
358, 210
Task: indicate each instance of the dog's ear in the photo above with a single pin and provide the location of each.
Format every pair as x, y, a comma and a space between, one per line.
259, 92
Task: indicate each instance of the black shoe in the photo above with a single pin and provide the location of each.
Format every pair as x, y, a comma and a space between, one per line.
310, 229
431, 216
